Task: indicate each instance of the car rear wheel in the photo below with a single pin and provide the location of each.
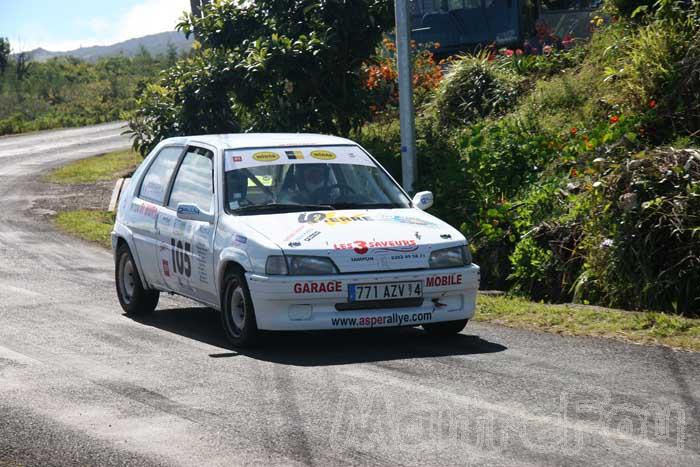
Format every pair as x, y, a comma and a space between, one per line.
134, 299
446, 328
237, 312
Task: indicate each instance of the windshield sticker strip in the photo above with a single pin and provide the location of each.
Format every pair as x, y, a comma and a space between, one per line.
241, 159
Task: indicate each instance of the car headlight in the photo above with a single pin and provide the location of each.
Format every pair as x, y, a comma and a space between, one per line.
276, 266
450, 257
300, 265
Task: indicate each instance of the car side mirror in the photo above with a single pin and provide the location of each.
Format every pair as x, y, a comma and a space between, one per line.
190, 212
423, 200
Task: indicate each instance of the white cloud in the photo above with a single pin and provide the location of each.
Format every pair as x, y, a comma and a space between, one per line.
150, 17
147, 17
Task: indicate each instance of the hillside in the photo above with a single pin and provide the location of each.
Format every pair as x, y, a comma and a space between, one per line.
154, 43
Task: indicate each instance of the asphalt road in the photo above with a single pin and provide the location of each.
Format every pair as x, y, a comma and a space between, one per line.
80, 383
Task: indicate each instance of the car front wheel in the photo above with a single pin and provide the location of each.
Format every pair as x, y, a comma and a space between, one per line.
134, 299
446, 328
237, 313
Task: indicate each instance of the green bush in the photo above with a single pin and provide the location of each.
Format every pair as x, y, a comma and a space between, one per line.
383, 140
66, 91
533, 268
626, 8
681, 103
648, 65
646, 214
268, 66
474, 89
192, 97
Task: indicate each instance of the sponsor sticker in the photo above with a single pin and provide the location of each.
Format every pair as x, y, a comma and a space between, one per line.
406, 220
323, 155
266, 156
241, 158
145, 209
294, 155
240, 239
187, 210
443, 280
361, 247
318, 287
331, 218
312, 235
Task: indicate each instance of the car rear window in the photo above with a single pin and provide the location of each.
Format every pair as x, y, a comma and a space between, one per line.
194, 182
155, 182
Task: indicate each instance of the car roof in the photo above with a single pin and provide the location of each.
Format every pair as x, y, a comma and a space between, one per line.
260, 140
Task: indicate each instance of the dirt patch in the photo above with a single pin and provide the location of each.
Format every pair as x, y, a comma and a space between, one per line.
52, 198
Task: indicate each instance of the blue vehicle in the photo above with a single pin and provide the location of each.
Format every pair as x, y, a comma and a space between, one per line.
466, 25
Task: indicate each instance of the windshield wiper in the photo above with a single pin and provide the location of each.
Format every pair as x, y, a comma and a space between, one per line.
254, 208
367, 206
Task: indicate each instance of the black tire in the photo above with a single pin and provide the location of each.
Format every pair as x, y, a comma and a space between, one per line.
446, 328
134, 299
237, 312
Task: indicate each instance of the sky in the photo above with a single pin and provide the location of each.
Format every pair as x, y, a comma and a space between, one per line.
60, 25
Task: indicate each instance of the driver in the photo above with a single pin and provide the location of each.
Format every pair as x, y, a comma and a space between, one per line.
311, 178
310, 181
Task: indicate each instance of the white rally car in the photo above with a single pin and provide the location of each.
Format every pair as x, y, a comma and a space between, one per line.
287, 232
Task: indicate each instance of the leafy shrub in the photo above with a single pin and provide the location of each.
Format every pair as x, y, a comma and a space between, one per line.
626, 8
648, 209
474, 89
532, 269
383, 140
540, 65
66, 91
649, 60
382, 76
270, 65
192, 97
681, 107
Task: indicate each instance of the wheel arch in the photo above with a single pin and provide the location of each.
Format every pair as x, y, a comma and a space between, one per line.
120, 239
227, 265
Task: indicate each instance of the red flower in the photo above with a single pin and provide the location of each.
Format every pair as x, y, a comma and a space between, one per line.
573, 131
508, 53
614, 119
652, 104
519, 51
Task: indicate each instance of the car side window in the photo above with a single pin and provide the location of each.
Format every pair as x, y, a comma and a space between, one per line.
194, 182
155, 182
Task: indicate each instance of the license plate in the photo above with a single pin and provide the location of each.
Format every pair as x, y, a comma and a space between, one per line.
384, 291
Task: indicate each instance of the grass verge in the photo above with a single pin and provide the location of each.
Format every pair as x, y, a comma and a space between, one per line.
94, 226
95, 169
577, 320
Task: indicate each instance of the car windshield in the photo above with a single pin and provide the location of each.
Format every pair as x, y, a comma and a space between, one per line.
312, 178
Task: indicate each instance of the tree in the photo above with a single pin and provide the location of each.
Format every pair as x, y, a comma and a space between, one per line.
196, 7
171, 54
4, 54
271, 65
23, 63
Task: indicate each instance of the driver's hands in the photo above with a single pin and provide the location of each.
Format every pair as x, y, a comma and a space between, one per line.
334, 193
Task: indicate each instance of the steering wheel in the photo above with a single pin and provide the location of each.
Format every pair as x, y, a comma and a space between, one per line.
344, 189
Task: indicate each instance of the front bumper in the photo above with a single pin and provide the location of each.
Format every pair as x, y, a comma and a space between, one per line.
312, 302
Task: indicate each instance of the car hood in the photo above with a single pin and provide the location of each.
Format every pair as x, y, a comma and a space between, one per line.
360, 240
